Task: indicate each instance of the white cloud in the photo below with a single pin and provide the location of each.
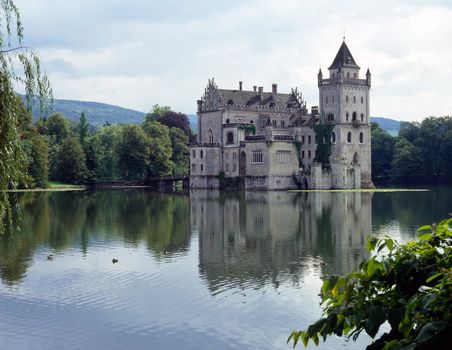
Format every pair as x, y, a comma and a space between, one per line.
152, 52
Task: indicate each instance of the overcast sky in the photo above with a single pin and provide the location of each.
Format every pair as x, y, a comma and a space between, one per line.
137, 53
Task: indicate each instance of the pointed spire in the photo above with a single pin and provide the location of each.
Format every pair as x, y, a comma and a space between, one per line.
343, 58
320, 71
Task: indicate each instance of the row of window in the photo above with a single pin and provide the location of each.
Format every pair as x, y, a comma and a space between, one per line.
349, 137
193, 168
234, 167
354, 116
234, 156
201, 154
346, 99
283, 156
348, 75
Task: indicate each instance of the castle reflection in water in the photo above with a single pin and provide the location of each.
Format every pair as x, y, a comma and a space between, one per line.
272, 236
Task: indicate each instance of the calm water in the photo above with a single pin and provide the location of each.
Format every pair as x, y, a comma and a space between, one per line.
205, 271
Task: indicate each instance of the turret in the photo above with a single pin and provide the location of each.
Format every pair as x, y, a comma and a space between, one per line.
368, 78
320, 77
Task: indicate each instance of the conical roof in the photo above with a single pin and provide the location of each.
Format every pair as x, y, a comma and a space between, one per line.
343, 58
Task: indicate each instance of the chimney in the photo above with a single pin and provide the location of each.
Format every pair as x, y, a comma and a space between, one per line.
254, 88
274, 89
261, 92
240, 85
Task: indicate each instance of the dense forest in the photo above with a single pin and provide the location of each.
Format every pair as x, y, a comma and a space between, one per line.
58, 149
420, 154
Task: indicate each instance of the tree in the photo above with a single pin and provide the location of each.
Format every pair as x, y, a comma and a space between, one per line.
156, 113
21, 66
71, 162
38, 168
408, 285
382, 150
133, 152
181, 153
58, 127
323, 132
160, 149
82, 128
406, 165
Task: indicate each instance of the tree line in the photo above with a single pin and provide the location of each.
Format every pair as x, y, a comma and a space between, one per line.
58, 149
421, 153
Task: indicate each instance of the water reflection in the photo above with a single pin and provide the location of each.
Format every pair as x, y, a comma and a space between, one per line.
60, 221
269, 237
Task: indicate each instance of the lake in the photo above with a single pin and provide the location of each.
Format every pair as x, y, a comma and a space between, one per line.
207, 270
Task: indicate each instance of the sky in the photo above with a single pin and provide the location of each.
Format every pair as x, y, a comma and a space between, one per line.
138, 53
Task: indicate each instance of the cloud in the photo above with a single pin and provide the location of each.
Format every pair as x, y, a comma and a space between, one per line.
149, 52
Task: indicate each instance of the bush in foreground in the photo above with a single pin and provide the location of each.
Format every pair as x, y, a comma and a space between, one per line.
407, 285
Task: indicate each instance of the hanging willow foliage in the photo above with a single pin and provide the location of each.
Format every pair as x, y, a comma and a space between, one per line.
19, 66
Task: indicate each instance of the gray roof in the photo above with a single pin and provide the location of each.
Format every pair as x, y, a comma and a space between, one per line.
252, 98
343, 58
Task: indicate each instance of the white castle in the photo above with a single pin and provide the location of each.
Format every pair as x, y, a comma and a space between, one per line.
252, 139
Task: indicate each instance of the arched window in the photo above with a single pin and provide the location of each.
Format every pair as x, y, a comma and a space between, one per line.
362, 117
227, 121
326, 99
333, 137
361, 137
355, 158
274, 122
272, 104
230, 138
348, 74
268, 122
349, 137
354, 99
354, 116
362, 99
283, 123
201, 154
210, 136
251, 122
354, 75
330, 117
230, 102
289, 105
346, 98
346, 116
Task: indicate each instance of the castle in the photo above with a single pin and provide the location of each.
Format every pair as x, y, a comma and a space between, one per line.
252, 139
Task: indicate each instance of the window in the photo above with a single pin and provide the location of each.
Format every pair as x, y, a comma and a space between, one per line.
361, 137
348, 74
333, 137
283, 123
274, 122
332, 99
272, 104
349, 137
309, 154
227, 166
258, 157
193, 154
354, 99
330, 117
283, 156
302, 154
309, 139
346, 116
251, 122
226, 155
230, 102
234, 167
234, 156
362, 99
302, 139
230, 138
346, 98
227, 121
354, 75
193, 168
202, 168
362, 117
316, 139
201, 154
354, 116
326, 100
210, 136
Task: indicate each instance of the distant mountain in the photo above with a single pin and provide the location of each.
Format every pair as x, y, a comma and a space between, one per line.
96, 113
392, 126
193, 119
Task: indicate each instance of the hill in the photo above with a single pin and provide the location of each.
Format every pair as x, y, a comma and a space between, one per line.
392, 126
97, 113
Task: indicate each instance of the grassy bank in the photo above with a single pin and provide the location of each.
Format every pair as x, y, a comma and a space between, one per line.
53, 187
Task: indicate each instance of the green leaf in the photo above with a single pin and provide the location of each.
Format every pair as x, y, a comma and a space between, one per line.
430, 330
425, 228
425, 236
436, 275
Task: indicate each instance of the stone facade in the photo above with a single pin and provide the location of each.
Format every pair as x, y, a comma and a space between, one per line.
266, 140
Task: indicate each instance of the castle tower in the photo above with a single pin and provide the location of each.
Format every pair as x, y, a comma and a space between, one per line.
344, 101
